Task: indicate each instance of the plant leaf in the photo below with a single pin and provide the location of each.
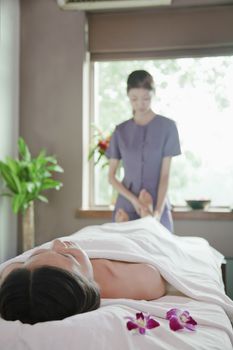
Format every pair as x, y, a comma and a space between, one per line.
98, 159
92, 152
17, 203
13, 165
43, 198
30, 186
49, 183
23, 150
56, 168
8, 177
17, 182
51, 159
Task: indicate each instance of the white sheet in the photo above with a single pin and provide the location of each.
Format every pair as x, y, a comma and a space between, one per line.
188, 263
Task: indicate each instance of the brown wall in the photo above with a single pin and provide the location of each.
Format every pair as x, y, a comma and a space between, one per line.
52, 56
52, 53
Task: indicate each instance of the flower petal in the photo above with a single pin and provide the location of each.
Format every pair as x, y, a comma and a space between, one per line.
142, 330
151, 323
171, 313
174, 324
131, 325
189, 326
139, 315
191, 321
185, 313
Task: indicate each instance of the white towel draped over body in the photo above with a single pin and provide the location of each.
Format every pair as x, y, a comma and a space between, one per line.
189, 264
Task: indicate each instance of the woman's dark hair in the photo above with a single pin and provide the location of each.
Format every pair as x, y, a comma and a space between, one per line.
140, 79
45, 294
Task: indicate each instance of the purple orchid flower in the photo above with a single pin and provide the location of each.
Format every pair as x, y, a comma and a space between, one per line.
179, 319
141, 323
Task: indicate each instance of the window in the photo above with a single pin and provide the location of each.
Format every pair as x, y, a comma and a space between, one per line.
198, 94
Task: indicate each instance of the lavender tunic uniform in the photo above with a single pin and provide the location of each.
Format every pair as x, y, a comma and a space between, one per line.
142, 149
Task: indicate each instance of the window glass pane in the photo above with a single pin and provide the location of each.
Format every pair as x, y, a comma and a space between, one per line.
198, 94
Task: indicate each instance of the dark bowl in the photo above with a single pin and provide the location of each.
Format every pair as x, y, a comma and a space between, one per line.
198, 204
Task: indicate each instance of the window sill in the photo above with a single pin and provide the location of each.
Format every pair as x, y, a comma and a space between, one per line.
179, 213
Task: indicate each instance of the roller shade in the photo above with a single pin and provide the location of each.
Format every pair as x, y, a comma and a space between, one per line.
158, 33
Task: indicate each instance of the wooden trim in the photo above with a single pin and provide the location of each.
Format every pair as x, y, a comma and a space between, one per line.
162, 54
93, 213
177, 215
202, 215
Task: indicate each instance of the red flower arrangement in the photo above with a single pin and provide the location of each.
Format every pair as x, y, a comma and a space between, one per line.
99, 147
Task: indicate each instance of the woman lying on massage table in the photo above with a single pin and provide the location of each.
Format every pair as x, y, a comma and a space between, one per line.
62, 281
55, 283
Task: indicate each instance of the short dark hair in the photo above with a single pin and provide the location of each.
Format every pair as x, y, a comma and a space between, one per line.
140, 79
46, 294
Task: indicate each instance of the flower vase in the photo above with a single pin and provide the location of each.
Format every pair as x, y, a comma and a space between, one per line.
29, 228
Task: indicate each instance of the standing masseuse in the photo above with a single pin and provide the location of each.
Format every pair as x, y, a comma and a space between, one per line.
145, 144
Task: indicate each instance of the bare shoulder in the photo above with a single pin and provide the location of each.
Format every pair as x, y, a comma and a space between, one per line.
118, 279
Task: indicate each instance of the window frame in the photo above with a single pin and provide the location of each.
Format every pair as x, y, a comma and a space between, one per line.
91, 202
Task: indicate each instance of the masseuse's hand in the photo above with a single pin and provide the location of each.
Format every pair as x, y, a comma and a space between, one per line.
65, 244
157, 215
138, 206
69, 244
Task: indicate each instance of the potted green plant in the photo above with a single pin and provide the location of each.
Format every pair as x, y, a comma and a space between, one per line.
25, 180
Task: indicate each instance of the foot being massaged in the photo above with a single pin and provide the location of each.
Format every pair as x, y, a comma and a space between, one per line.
137, 259
146, 209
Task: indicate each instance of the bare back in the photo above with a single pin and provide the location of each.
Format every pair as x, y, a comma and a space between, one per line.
119, 279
